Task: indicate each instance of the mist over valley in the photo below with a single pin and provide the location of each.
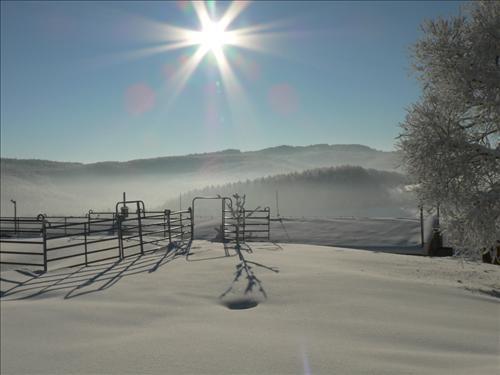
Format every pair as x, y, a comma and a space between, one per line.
69, 188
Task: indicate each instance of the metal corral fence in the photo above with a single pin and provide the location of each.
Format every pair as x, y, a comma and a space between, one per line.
254, 225
240, 225
78, 241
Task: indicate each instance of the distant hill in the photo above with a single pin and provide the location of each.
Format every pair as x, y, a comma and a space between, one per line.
63, 187
275, 159
322, 192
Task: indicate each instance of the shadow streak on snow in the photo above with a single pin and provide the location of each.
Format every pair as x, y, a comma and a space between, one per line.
495, 293
226, 254
91, 279
244, 267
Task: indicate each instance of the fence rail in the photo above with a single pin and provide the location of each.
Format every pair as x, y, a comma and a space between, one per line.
98, 236
93, 238
247, 225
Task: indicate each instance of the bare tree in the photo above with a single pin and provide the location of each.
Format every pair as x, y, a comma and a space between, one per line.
238, 212
450, 139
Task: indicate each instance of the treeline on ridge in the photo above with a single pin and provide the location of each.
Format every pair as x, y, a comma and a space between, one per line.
325, 192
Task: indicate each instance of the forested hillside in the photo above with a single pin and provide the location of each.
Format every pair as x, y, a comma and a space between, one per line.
322, 192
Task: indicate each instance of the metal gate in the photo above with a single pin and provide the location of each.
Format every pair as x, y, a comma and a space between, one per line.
149, 227
242, 225
254, 225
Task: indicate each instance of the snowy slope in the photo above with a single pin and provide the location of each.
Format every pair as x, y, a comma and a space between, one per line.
327, 311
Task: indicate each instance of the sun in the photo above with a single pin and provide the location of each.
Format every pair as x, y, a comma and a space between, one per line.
213, 36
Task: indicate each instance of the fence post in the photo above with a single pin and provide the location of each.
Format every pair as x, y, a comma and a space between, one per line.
422, 225
191, 219
85, 239
140, 228
244, 224
44, 236
268, 223
165, 224
169, 227
223, 227
89, 223
192, 222
238, 213
120, 234
182, 227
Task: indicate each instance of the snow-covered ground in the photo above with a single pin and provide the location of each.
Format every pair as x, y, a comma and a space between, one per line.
394, 235
328, 310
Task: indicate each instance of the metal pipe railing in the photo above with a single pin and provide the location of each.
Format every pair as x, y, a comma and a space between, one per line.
147, 227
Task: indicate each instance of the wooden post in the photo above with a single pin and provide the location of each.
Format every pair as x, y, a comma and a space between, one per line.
422, 226
438, 216
277, 205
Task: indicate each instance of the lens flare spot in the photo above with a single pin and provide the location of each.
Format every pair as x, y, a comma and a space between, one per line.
283, 99
168, 71
183, 59
211, 89
248, 67
184, 5
139, 98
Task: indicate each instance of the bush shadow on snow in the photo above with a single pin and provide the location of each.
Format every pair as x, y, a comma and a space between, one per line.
253, 292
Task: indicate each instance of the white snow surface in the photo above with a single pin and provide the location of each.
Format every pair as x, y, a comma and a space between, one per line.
385, 234
328, 310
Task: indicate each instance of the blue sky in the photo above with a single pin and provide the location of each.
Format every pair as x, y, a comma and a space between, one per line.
331, 72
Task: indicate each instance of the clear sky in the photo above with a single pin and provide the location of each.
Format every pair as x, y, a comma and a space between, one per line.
93, 81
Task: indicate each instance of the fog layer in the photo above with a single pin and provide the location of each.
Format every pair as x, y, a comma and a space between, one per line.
323, 192
73, 188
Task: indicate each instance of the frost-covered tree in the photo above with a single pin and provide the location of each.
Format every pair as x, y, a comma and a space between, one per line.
450, 139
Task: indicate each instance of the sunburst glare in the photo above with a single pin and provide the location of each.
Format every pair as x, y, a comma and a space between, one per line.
214, 38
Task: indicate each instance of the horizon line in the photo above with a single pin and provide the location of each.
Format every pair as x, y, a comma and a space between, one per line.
2, 157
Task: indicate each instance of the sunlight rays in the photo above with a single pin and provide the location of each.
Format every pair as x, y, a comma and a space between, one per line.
214, 37
137, 54
236, 95
181, 77
232, 12
201, 11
